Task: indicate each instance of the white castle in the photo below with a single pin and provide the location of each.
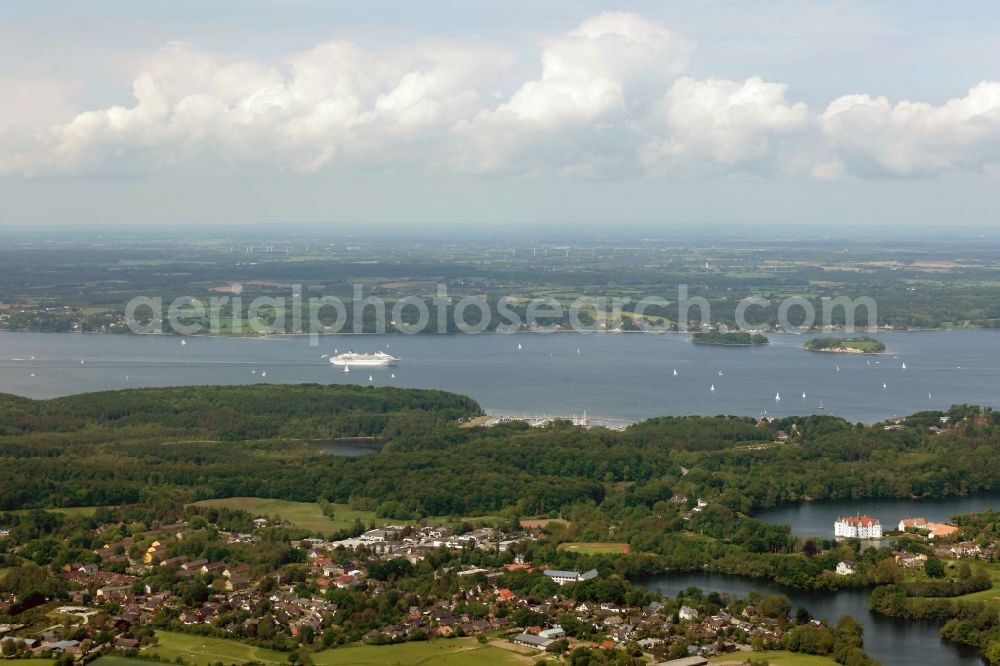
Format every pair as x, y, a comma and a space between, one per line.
858, 527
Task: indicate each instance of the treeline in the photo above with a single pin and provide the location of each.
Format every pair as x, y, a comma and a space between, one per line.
190, 444
231, 413
731, 338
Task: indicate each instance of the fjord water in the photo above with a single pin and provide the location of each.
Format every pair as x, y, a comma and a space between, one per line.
892, 642
617, 376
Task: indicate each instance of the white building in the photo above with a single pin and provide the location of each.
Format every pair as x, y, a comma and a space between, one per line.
687, 613
846, 568
858, 527
563, 577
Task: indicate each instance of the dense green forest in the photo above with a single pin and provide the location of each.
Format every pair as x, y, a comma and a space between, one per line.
206, 442
733, 338
863, 344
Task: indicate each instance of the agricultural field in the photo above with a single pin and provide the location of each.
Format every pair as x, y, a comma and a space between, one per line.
445, 653
775, 658
203, 651
306, 515
595, 548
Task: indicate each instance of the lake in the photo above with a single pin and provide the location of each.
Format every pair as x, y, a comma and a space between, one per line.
888, 640
815, 519
892, 642
624, 377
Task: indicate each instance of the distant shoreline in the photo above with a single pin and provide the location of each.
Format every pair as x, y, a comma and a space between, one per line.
581, 332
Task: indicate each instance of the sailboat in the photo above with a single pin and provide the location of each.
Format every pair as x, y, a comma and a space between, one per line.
253, 371
777, 397
803, 395
346, 369
675, 372
370, 378
821, 404
903, 367
577, 350
838, 368
183, 343
81, 361
392, 375
720, 373
263, 373
519, 345
929, 397
884, 386
712, 387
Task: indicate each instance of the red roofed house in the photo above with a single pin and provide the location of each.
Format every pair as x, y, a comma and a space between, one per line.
935, 530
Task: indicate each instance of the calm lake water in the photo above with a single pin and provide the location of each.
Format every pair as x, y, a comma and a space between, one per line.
815, 519
626, 376
888, 640
892, 642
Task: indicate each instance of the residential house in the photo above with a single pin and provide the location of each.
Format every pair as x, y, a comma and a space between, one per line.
846, 568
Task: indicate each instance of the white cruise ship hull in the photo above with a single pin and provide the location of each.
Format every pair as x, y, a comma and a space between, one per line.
363, 361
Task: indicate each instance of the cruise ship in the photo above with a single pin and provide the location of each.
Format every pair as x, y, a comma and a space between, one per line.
350, 358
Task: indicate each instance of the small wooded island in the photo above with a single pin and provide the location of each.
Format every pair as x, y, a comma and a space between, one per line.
736, 338
861, 345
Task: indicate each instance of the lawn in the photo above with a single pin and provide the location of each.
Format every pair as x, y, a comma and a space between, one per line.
115, 660
203, 651
454, 651
992, 594
306, 515
775, 658
595, 548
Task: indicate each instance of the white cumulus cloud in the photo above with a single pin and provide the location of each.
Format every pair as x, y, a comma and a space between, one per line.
871, 136
726, 122
612, 98
195, 108
575, 116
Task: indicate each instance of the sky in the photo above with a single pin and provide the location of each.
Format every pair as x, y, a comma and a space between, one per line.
685, 112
